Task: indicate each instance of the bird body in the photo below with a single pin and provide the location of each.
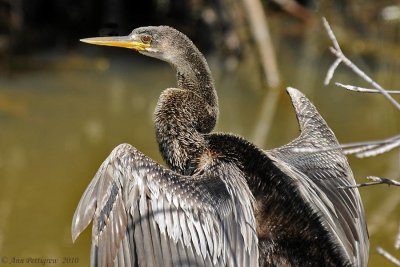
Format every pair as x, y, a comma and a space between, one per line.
222, 201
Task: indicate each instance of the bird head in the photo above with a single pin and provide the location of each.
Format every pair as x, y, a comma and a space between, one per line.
161, 42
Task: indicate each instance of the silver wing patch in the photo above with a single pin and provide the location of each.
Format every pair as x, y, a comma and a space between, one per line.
146, 215
320, 169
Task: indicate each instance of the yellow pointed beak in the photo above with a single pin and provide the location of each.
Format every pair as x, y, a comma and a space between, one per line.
117, 41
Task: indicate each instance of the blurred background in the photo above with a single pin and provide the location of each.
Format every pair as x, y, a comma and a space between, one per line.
65, 105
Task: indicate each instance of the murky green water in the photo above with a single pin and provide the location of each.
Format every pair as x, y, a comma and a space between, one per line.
60, 119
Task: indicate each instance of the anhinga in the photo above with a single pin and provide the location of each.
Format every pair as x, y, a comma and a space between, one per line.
222, 201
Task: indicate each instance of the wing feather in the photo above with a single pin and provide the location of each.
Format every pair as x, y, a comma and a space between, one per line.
315, 161
155, 238
130, 237
146, 215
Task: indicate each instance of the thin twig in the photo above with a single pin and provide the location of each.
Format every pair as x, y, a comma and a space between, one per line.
364, 76
331, 71
375, 180
388, 256
331, 34
360, 149
339, 54
371, 148
363, 89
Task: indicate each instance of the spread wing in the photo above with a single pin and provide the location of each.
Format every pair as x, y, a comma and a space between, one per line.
315, 161
146, 215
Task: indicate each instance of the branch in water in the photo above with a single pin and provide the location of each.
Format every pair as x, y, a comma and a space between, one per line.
388, 256
342, 58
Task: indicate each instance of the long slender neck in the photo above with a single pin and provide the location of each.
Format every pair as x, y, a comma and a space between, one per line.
193, 74
185, 113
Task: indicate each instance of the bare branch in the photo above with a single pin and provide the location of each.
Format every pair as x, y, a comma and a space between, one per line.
331, 34
371, 148
388, 256
375, 180
339, 54
380, 149
362, 89
314, 149
331, 71
360, 149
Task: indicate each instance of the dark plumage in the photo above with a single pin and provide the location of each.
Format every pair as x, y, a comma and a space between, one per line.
223, 201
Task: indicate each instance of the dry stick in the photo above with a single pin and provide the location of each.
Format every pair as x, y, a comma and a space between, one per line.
339, 54
259, 27
331, 71
371, 148
388, 256
364, 90
360, 149
375, 180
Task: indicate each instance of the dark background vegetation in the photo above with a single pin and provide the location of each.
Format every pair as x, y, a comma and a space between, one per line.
64, 105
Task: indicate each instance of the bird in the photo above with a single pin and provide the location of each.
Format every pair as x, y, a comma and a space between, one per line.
220, 200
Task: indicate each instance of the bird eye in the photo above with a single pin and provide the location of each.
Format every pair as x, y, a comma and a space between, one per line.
146, 39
